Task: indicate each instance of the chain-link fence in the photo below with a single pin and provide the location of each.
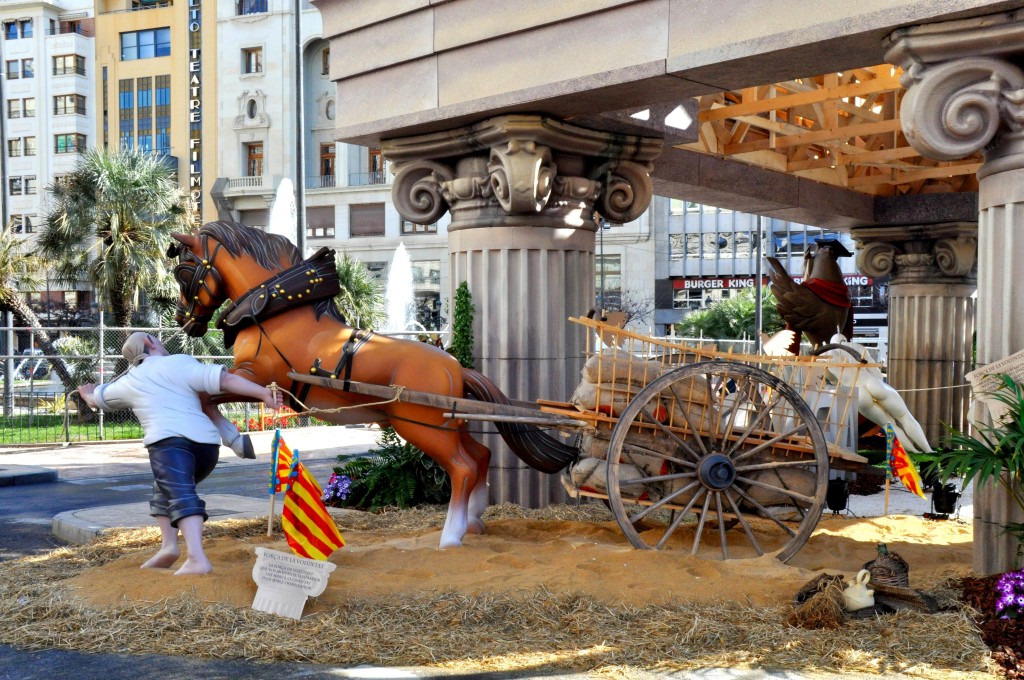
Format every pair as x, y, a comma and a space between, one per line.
42, 366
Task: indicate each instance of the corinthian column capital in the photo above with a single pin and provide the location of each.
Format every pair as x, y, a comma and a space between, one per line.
942, 253
965, 91
522, 170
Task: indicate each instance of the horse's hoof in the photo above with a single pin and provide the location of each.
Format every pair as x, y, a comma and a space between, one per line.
475, 526
449, 543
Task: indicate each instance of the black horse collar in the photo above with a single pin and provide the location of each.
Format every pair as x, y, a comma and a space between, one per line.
311, 280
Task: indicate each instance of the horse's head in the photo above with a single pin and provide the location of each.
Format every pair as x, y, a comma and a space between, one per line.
201, 285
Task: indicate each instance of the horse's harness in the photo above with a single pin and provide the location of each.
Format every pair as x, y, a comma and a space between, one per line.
193, 274
310, 281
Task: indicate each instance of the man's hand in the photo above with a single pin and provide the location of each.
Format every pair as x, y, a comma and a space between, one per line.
87, 391
273, 399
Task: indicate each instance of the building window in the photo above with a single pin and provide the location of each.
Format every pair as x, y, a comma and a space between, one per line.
21, 108
413, 228
327, 160
243, 7
366, 219
17, 29
329, 110
325, 62
20, 68
126, 113
144, 108
14, 186
254, 160
14, 147
30, 185
21, 224
162, 142
30, 146
71, 143
252, 60
611, 267
155, 42
69, 103
68, 65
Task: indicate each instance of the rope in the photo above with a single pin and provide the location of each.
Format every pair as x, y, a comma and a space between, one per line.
312, 410
932, 389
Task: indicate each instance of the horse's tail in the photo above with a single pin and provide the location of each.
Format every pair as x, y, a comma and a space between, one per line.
534, 447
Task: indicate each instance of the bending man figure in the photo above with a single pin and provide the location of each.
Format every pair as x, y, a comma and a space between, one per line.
169, 394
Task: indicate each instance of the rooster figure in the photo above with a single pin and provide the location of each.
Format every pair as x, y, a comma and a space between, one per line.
819, 306
888, 569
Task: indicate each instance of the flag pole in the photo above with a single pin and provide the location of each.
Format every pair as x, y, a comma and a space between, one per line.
885, 512
273, 468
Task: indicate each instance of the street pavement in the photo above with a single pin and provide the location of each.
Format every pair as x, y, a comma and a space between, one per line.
51, 496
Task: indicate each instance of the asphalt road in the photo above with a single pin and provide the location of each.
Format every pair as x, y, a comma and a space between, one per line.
26, 512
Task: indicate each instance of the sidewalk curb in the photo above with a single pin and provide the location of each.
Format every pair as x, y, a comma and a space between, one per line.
84, 526
21, 475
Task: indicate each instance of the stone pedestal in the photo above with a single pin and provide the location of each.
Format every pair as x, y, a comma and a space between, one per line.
931, 315
965, 93
522, 191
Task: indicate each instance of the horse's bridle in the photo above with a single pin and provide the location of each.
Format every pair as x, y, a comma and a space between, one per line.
193, 274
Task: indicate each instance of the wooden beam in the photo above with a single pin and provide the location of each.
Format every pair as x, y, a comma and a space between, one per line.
818, 136
898, 177
791, 100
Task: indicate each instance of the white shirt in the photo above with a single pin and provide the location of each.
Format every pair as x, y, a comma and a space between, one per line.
163, 391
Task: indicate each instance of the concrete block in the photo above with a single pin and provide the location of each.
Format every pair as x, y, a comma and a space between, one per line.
398, 40
351, 15
22, 475
401, 90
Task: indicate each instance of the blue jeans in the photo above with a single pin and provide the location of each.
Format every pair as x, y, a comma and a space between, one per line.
178, 465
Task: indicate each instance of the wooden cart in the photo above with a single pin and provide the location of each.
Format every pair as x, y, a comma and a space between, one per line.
678, 438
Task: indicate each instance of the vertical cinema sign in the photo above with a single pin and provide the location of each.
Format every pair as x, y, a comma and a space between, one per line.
195, 109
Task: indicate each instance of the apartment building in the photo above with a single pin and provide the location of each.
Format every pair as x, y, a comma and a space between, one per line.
347, 190
49, 112
155, 84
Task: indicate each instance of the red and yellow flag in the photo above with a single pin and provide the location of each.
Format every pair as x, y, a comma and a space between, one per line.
283, 463
899, 463
307, 525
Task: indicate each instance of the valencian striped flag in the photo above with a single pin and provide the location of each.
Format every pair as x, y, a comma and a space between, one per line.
898, 463
307, 525
283, 463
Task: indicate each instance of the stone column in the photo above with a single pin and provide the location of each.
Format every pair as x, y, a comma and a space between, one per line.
931, 315
522, 191
965, 93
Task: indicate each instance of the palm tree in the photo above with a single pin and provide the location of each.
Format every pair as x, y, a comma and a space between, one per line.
18, 267
109, 224
361, 299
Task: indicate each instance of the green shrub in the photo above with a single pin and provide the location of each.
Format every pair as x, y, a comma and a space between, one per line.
395, 474
461, 345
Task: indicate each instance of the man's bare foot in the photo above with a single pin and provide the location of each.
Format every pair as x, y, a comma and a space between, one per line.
194, 567
164, 558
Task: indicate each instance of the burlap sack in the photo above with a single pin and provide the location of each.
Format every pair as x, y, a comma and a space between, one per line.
617, 366
609, 399
591, 474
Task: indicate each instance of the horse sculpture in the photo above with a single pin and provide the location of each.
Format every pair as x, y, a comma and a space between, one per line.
281, 317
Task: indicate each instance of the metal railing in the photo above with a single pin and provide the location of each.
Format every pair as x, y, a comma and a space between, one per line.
250, 182
321, 182
358, 179
39, 408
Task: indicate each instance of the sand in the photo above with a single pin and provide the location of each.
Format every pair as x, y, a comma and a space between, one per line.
561, 556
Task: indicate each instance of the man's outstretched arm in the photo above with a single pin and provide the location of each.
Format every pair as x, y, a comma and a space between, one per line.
236, 384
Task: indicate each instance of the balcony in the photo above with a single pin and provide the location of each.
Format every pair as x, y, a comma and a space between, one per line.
138, 5
243, 7
321, 182
255, 182
361, 179
71, 28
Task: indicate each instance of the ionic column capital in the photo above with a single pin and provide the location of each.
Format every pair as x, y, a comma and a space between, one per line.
522, 170
944, 253
965, 91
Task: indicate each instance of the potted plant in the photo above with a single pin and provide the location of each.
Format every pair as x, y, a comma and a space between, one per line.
994, 454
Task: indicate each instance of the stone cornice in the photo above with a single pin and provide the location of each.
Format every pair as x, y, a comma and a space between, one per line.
942, 253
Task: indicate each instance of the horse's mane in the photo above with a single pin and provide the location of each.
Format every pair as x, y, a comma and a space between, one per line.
266, 249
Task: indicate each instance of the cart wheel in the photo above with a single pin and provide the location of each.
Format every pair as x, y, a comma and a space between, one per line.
729, 443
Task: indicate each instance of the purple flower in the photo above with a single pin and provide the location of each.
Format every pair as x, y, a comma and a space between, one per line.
337, 489
1010, 588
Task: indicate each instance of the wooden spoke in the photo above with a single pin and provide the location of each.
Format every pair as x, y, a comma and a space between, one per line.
633, 519
773, 465
743, 523
658, 478
721, 525
658, 454
771, 442
754, 424
700, 525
